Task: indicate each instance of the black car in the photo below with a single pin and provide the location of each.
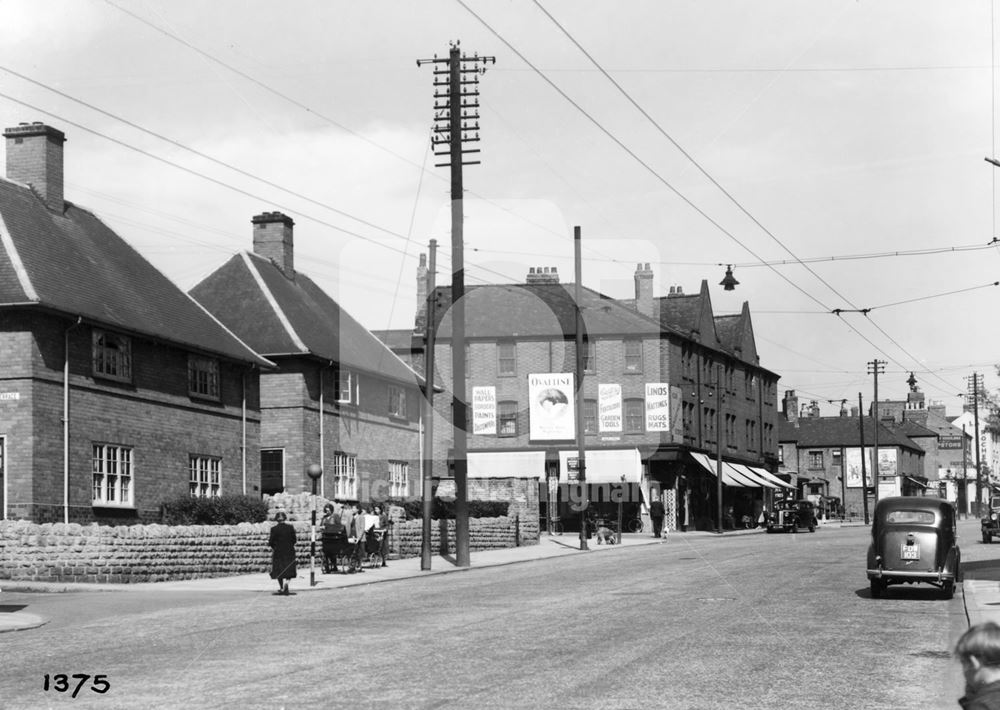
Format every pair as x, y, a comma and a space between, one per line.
914, 539
990, 522
790, 515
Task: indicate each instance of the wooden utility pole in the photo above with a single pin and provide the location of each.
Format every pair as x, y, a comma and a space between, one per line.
457, 107
719, 443
581, 451
975, 386
874, 368
864, 470
429, 344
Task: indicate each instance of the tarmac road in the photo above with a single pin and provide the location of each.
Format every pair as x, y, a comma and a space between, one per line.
742, 621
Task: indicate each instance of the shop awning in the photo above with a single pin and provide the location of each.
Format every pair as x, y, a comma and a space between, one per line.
507, 464
768, 476
732, 475
605, 465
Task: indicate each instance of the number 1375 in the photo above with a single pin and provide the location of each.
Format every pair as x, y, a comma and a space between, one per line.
61, 683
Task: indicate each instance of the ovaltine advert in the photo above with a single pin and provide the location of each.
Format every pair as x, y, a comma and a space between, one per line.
657, 406
550, 407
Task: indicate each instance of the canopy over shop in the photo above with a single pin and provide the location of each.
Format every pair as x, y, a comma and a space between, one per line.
746, 489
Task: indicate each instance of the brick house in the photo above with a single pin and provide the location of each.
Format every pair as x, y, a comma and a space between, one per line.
823, 456
117, 390
338, 398
649, 397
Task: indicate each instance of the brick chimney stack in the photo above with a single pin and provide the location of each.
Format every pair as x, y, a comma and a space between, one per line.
35, 157
272, 239
644, 289
420, 322
790, 406
542, 275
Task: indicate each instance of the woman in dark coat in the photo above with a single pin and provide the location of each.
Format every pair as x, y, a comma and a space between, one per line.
282, 544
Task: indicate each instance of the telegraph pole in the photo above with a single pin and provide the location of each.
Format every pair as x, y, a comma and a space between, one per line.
864, 472
456, 117
581, 449
429, 344
719, 444
874, 368
975, 385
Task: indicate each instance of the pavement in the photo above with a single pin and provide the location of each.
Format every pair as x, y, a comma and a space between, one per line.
982, 597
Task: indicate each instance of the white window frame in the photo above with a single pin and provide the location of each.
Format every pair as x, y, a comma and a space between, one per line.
506, 414
397, 401
637, 419
347, 387
205, 479
203, 377
399, 479
510, 359
345, 476
111, 355
635, 357
113, 476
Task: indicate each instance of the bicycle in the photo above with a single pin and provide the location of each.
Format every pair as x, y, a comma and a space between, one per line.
556, 527
634, 525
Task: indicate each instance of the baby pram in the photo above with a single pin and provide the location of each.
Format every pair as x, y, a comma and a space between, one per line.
375, 547
340, 553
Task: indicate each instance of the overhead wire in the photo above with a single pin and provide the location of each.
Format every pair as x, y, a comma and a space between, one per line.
275, 92
706, 174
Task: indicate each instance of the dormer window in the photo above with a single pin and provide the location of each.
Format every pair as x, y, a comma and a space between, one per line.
112, 356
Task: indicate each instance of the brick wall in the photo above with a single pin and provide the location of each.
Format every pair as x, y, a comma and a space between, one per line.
56, 552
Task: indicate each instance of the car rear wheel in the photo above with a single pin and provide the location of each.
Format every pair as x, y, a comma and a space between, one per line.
948, 590
812, 527
986, 538
877, 588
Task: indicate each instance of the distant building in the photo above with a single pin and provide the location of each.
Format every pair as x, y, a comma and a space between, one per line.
117, 390
338, 398
650, 397
950, 461
824, 456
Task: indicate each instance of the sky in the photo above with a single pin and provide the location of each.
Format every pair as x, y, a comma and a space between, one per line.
832, 152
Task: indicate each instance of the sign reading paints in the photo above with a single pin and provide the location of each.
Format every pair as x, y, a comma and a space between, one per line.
484, 410
551, 415
609, 407
657, 406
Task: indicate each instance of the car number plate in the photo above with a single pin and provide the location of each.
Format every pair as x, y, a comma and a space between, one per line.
909, 552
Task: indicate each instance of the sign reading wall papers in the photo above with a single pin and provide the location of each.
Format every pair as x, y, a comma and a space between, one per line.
551, 414
484, 410
609, 404
657, 406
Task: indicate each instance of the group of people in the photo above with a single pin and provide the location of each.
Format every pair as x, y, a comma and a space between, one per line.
349, 533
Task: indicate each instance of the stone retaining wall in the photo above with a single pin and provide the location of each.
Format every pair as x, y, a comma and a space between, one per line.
57, 552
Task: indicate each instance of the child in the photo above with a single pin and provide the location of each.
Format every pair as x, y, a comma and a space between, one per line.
979, 653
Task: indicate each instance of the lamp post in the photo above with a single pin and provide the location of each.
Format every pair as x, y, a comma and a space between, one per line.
314, 471
621, 494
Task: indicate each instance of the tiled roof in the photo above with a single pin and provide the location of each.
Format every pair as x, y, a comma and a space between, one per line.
281, 316
915, 429
727, 329
400, 339
681, 312
543, 310
76, 265
840, 431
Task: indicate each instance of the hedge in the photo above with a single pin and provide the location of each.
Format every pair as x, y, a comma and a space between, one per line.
444, 508
224, 510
